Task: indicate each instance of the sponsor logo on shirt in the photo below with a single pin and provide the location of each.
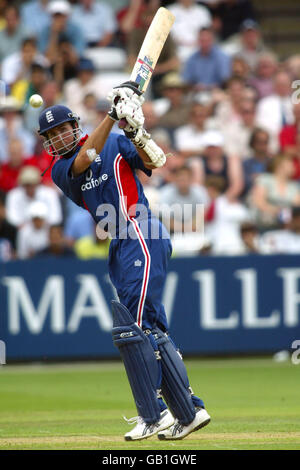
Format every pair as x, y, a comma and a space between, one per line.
93, 182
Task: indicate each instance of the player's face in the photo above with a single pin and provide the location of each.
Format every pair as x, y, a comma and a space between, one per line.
62, 139
61, 136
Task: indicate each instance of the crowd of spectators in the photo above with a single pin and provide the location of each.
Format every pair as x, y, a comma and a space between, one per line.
221, 103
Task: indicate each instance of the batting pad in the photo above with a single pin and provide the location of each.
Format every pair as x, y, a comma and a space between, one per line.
139, 360
175, 383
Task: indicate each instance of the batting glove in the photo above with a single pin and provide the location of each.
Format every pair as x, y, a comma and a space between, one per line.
127, 91
132, 113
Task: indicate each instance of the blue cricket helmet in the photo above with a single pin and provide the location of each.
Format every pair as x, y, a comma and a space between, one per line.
54, 116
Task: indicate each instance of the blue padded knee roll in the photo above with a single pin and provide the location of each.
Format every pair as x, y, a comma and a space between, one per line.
139, 360
175, 383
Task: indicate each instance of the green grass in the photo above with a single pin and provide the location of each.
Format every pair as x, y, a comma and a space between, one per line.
254, 404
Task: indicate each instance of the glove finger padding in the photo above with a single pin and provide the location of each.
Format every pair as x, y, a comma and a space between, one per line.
125, 94
132, 113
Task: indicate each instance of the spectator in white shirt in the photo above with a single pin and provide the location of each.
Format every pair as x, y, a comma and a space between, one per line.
189, 19
17, 66
237, 134
223, 219
97, 21
188, 139
29, 190
276, 111
33, 236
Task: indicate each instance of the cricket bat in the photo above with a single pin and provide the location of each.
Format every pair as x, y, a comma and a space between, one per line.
151, 48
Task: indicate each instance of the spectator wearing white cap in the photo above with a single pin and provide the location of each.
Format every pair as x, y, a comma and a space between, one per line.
30, 190
97, 21
60, 27
34, 234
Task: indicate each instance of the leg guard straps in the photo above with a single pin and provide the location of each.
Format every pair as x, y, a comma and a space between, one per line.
140, 362
175, 383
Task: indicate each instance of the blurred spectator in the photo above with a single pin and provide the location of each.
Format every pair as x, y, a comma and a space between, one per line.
42, 160
216, 163
93, 246
35, 15
50, 94
14, 32
11, 126
208, 67
285, 240
23, 89
292, 66
64, 63
223, 219
60, 27
250, 44
184, 201
3, 5
240, 68
189, 19
250, 238
9, 171
151, 118
57, 244
78, 223
33, 235
8, 234
174, 161
188, 139
167, 61
276, 111
129, 18
173, 89
262, 79
259, 157
228, 16
97, 21
227, 110
237, 134
289, 139
274, 193
86, 82
17, 66
29, 190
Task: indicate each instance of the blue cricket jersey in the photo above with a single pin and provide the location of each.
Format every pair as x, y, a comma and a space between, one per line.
109, 180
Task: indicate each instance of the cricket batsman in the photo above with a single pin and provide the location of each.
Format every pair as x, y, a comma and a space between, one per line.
138, 261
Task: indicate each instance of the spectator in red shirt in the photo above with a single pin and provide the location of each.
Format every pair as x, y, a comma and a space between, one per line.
289, 139
9, 171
